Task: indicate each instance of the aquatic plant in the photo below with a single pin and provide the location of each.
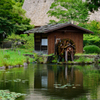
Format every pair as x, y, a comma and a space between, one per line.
7, 95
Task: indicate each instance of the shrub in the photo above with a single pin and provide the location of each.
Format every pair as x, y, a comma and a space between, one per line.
37, 58
21, 41
7, 56
91, 49
28, 41
54, 59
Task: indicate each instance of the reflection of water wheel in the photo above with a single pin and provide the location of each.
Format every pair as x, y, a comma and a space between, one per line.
63, 44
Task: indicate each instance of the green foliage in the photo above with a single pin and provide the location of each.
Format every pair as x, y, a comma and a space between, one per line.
12, 17
91, 42
93, 26
13, 37
91, 49
38, 59
93, 5
28, 41
35, 57
21, 41
84, 59
91, 39
13, 58
69, 10
72, 10
7, 56
20, 1
7, 95
99, 60
16, 39
55, 59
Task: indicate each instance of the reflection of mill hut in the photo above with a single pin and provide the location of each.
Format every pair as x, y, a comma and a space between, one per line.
46, 37
61, 83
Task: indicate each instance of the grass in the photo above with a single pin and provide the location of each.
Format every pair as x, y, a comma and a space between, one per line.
12, 58
83, 54
20, 51
84, 59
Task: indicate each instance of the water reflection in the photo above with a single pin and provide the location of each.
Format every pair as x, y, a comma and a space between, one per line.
60, 81
49, 77
53, 82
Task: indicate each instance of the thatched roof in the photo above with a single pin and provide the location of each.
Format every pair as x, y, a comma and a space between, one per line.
50, 28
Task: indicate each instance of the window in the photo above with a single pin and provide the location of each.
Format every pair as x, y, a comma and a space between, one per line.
44, 42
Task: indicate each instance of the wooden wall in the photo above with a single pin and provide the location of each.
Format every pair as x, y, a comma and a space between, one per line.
76, 37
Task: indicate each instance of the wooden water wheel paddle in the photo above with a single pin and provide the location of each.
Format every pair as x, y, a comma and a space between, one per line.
66, 49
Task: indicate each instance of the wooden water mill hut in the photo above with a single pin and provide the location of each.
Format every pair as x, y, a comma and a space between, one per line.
60, 39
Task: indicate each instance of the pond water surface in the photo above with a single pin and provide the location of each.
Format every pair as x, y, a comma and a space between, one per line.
53, 82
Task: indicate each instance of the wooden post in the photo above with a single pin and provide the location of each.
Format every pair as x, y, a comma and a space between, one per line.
66, 55
72, 58
55, 44
40, 41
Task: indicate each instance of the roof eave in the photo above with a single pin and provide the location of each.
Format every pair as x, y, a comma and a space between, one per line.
85, 31
81, 28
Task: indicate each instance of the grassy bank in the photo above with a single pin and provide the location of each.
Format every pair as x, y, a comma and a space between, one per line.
12, 58
79, 59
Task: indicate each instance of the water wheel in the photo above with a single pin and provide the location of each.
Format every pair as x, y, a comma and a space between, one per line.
66, 49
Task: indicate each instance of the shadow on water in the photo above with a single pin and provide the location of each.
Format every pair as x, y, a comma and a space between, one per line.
53, 82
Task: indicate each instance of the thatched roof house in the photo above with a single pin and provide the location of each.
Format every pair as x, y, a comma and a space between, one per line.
47, 36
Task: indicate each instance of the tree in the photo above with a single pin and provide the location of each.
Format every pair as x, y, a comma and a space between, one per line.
91, 39
93, 26
21, 1
69, 10
12, 17
21, 41
93, 5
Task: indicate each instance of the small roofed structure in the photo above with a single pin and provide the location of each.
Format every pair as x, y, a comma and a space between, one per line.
49, 36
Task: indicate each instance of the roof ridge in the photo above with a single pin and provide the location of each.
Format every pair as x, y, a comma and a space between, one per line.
52, 27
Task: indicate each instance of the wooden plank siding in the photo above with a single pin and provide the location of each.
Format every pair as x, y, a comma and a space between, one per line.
77, 38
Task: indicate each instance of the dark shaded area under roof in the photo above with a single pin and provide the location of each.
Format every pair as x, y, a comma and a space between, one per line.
50, 28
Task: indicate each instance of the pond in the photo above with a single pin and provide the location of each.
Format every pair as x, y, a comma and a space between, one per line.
53, 82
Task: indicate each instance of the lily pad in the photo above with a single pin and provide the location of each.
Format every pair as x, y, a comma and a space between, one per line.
7, 95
